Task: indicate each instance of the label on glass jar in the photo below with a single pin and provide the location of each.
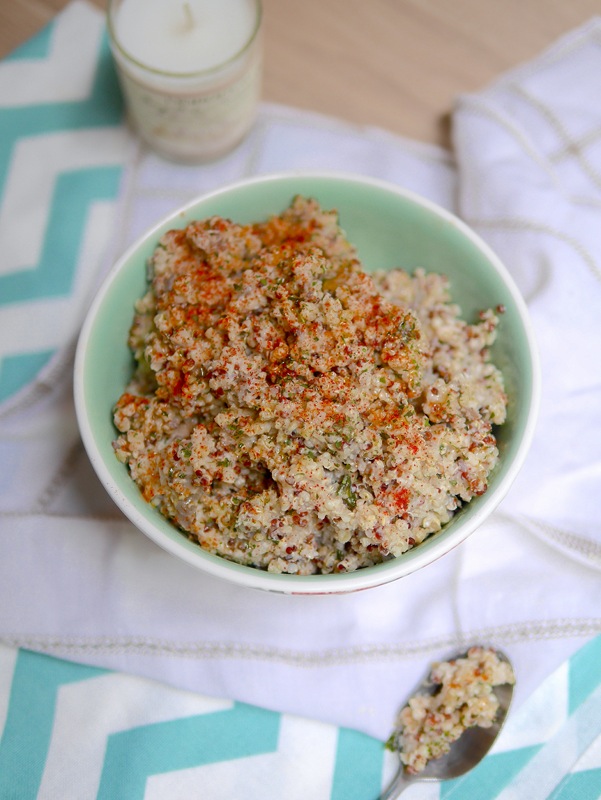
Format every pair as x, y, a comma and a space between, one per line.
194, 124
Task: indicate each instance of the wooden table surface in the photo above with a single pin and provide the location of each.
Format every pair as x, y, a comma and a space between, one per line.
397, 64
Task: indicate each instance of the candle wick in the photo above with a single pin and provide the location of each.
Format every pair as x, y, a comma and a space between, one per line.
190, 21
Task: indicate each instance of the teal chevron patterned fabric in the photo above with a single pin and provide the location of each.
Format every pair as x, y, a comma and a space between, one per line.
68, 725
54, 273
36, 682
61, 157
37, 47
131, 730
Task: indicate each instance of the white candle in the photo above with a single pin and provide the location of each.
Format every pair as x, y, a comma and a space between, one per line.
190, 71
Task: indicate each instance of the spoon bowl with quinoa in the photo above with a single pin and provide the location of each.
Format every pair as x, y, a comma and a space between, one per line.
451, 722
307, 383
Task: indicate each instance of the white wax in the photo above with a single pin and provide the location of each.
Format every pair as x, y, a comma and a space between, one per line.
183, 37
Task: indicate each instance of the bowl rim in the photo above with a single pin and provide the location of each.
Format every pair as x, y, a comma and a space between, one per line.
283, 583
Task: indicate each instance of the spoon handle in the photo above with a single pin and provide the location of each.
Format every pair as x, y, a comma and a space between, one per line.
398, 785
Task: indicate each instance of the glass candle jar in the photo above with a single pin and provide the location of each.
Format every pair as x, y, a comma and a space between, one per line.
191, 72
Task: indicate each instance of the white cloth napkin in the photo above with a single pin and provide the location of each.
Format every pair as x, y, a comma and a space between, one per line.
529, 163
77, 580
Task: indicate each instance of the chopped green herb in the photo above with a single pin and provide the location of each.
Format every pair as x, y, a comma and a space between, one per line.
345, 490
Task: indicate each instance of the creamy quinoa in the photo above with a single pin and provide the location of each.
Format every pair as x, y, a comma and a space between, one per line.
464, 698
290, 411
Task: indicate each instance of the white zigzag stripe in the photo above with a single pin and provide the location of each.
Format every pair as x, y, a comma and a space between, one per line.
591, 758
115, 702
8, 657
56, 319
541, 715
36, 165
560, 755
301, 768
75, 40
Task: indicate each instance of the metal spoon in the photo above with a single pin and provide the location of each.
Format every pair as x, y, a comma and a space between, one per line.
465, 753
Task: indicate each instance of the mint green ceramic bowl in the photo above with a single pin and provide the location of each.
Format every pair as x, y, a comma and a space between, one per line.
390, 227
